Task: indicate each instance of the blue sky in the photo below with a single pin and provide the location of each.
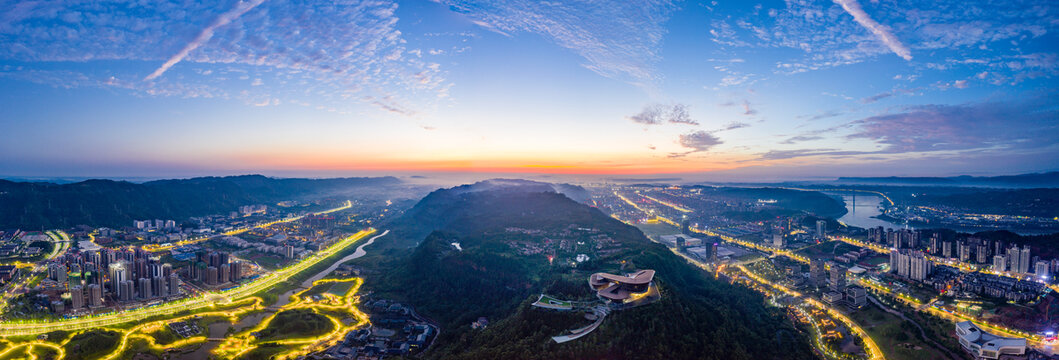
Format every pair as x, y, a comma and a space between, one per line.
707, 89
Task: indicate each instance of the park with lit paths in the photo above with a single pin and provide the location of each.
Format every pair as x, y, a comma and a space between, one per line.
202, 302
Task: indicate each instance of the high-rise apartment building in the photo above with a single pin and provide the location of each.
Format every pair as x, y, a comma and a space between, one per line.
838, 277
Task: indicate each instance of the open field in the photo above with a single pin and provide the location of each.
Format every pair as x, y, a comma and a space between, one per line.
898, 339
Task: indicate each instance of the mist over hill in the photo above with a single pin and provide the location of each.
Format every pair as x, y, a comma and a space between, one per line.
461, 207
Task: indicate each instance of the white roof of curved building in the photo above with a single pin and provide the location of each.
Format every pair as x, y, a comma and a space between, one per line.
971, 333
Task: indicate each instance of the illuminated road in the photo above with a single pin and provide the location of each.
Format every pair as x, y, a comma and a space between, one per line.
1034, 340
922, 332
669, 204
869, 344
62, 243
209, 299
157, 248
747, 244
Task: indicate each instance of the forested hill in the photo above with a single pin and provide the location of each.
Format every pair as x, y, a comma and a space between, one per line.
496, 271
32, 205
464, 208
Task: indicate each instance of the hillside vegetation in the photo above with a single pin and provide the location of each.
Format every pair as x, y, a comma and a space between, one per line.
698, 316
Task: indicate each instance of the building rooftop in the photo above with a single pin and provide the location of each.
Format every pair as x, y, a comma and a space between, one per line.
987, 345
641, 277
621, 288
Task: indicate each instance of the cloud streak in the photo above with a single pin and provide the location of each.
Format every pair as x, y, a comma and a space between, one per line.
881, 31
801, 138
618, 40
241, 8
697, 141
1000, 127
733, 125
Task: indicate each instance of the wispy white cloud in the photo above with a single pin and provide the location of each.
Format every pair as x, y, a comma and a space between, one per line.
696, 141
699, 140
887, 94
734, 125
832, 34
801, 138
881, 31
323, 55
619, 40
656, 114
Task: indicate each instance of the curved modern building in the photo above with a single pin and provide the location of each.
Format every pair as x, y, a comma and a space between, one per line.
984, 345
624, 289
617, 292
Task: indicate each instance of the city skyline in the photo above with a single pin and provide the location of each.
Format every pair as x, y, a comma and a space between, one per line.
698, 89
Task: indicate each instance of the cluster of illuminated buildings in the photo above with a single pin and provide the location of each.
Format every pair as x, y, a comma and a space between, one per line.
1014, 260
216, 268
16, 244
88, 278
951, 216
82, 281
831, 277
977, 283
932, 262
706, 250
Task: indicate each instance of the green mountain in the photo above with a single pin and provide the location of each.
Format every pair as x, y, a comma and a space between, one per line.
488, 252
459, 209
116, 203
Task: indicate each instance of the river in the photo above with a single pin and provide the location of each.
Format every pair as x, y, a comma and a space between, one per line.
861, 213
862, 209
285, 298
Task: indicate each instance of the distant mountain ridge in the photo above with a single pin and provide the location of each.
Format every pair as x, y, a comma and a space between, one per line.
1046, 179
34, 205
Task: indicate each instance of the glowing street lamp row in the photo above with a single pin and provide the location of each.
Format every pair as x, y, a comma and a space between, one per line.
15, 328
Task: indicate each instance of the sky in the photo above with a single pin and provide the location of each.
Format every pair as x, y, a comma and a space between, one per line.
693, 89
